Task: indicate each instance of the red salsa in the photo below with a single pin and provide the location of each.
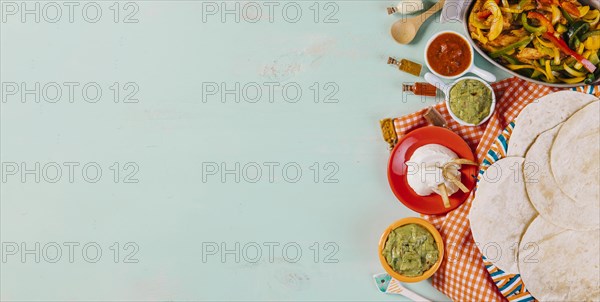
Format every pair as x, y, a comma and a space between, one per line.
449, 54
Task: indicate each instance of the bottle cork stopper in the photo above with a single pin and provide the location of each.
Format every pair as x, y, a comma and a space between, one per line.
391, 10
392, 61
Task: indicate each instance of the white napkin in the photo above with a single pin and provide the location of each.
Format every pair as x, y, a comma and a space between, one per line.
453, 10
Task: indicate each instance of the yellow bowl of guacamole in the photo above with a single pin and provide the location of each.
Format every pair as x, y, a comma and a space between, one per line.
470, 101
411, 250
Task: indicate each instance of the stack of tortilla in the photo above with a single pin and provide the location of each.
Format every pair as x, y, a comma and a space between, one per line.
536, 212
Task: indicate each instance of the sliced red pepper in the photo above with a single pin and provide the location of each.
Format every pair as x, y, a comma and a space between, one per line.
562, 45
571, 9
482, 15
543, 20
542, 3
485, 13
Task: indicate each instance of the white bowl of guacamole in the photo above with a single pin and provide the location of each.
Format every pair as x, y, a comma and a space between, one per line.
470, 101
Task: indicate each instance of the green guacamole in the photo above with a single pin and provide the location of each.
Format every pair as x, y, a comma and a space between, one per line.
410, 250
470, 101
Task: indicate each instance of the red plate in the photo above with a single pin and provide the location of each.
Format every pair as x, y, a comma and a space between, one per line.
397, 169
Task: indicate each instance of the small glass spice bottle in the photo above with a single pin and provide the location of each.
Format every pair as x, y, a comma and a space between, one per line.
407, 66
406, 7
419, 88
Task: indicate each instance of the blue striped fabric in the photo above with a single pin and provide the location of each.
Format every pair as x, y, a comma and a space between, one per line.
511, 286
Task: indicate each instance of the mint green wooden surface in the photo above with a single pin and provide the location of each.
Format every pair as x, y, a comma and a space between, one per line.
171, 132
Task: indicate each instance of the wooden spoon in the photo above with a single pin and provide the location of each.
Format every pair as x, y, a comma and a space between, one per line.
405, 30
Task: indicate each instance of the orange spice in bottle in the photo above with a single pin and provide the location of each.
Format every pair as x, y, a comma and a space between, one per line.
420, 88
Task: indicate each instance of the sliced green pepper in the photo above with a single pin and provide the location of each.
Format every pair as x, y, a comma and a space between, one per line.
590, 34
575, 30
496, 53
542, 19
589, 79
592, 77
566, 15
532, 29
574, 42
510, 59
594, 58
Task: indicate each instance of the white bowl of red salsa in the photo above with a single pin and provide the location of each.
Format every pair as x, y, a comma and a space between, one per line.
449, 55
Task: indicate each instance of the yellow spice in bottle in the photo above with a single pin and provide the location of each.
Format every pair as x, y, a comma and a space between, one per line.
407, 66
